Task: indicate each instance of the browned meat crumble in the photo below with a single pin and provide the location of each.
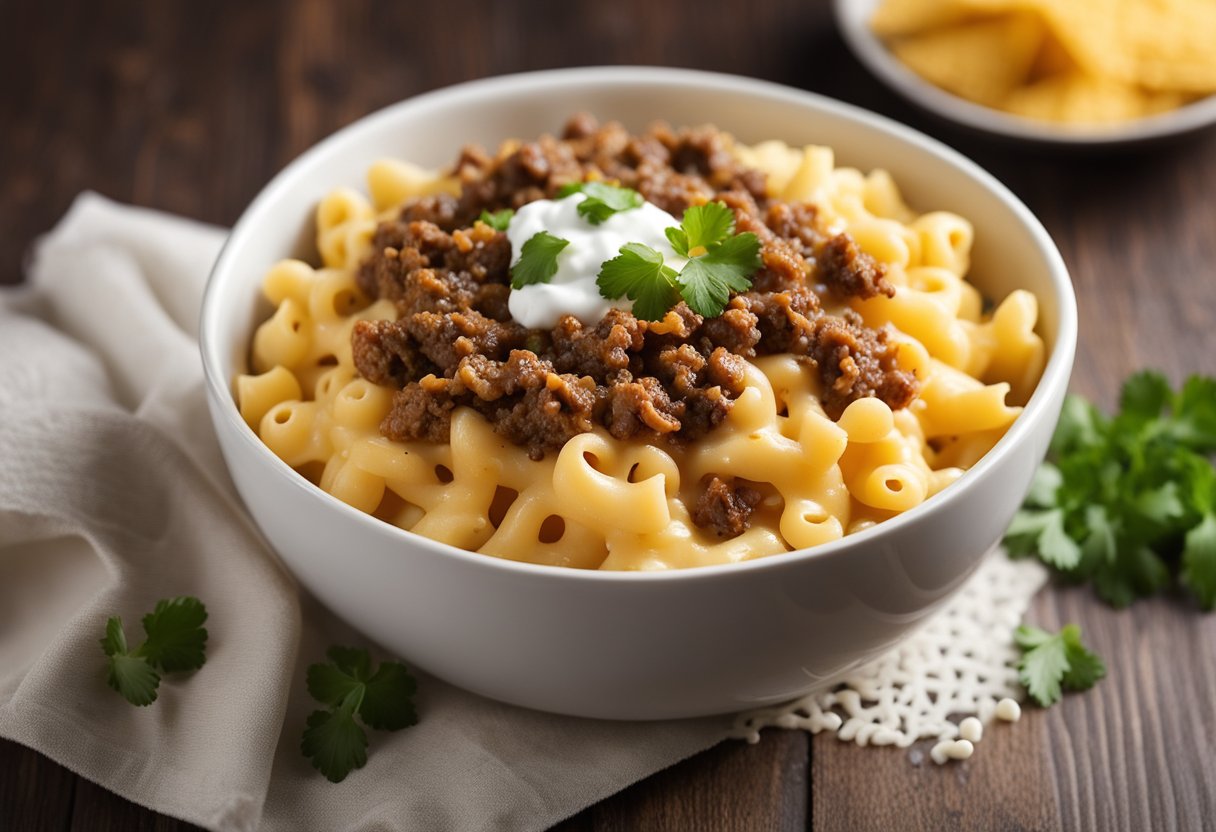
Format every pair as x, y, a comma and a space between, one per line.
727, 509
455, 343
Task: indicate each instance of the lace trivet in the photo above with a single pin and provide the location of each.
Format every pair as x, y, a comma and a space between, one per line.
959, 664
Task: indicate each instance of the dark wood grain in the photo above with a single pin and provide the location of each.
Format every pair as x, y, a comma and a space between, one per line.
34, 792
190, 108
733, 786
97, 810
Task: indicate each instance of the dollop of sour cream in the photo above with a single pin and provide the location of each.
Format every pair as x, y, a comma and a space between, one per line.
572, 291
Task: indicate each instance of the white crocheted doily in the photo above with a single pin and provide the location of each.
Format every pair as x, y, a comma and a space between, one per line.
959, 664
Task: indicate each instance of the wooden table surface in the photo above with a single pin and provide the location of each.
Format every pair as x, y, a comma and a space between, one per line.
191, 107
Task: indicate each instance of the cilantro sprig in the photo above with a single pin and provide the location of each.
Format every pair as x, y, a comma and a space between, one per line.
706, 281
498, 220
1128, 501
602, 200
333, 740
175, 642
537, 260
639, 274
701, 227
719, 262
1051, 664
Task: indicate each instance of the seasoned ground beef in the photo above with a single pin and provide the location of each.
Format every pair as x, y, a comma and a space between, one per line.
455, 344
727, 509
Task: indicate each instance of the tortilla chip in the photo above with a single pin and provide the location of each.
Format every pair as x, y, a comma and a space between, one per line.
1081, 99
983, 61
908, 17
1158, 44
1073, 61
1053, 59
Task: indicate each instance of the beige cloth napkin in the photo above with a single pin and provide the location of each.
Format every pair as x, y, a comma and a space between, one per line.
113, 495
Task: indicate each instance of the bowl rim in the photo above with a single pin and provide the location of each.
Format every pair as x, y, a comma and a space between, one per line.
1055, 374
851, 16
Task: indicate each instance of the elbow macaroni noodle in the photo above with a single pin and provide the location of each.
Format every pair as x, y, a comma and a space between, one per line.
609, 504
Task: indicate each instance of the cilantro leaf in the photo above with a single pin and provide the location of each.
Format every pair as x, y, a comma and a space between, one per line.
383, 699
388, 700
707, 281
176, 638
718, 262
1123, 502
334, 742
330, 684
1080, 426
701, 227
1145, 394
1161, 504
114, 643
639, 274
1051, 664
1199, 561
603, 200
1101, 545
537, 260
1043, 531
133, 678
1085, 668
1135, 571
1194, 422
678, 238
175, 642
1043, 663
352, 661
130, 675
1047, 481
498, 220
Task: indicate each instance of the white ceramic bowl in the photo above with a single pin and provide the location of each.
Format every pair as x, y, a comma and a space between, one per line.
633, 645
852, 18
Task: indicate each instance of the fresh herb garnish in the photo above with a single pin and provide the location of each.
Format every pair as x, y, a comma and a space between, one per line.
603, 200
1124, 501
1051, 664
719, 262
333, 741
639, 274
706, 281
701, 227
537, 260
175, 642
498, 220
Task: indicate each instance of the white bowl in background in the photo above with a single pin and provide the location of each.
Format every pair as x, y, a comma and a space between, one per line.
852, 18
633, 645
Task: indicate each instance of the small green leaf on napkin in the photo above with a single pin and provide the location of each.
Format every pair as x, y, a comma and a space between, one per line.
175, 642
384, 699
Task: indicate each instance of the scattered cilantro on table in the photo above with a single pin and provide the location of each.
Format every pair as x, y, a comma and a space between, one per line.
1051, 664
1128, 500
537, 260
719, 262
334, 741
603, 200
498, 220
175, 643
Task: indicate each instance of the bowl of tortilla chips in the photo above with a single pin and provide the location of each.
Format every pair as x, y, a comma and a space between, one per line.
1083, 72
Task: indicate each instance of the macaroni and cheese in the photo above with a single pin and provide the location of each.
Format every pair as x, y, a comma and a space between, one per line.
859, 375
